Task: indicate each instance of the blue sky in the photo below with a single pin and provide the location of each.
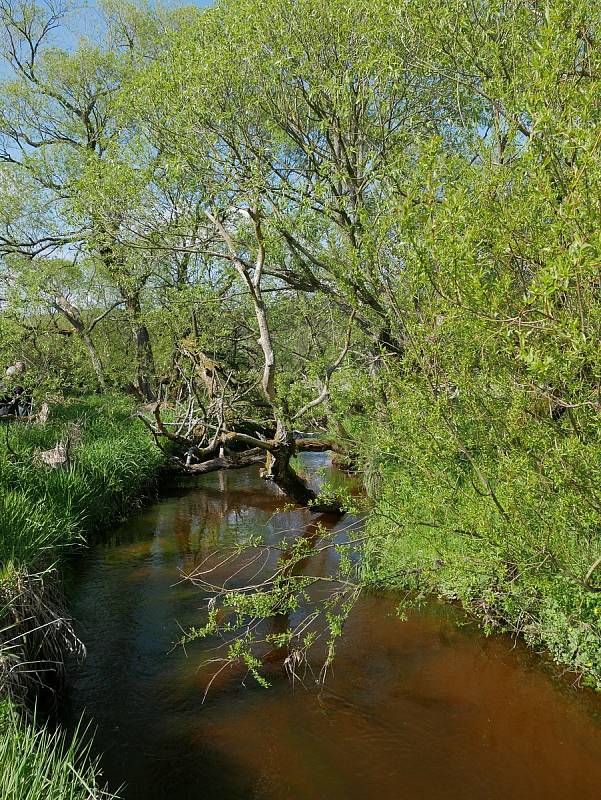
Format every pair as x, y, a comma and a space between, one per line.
84, 20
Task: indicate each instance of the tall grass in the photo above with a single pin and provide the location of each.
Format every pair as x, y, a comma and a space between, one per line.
37, 763
44, 511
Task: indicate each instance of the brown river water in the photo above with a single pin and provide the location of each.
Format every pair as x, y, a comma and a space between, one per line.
422, 709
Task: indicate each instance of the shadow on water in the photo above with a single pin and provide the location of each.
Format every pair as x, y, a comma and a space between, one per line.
421, 709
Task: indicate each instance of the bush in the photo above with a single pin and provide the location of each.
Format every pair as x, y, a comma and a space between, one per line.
507, 525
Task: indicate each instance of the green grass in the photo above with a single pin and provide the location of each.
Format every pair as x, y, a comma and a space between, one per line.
44, 514
43, 511
37, 763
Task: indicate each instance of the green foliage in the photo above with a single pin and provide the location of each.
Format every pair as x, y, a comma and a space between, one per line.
430, 173
519, 560
38, 764
435, 170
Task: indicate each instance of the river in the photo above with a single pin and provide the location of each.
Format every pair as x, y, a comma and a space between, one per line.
422, 709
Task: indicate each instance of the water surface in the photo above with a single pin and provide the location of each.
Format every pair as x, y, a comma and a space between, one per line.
419, 709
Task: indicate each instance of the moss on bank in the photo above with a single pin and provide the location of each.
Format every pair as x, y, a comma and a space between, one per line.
45, 514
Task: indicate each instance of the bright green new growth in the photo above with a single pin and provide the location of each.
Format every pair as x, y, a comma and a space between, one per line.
199, 206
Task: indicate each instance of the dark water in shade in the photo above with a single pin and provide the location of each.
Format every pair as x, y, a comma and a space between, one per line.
416, 710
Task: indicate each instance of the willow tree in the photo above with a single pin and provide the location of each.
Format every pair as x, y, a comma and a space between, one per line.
328, 104
317, 124
205, 125
436, 169
60, 130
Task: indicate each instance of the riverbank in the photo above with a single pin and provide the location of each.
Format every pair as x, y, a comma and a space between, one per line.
46, 514
431, 531
507, 528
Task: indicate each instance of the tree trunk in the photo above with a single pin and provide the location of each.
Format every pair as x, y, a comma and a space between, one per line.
145, 371
95, 359
73, 315
282, 447
278, 469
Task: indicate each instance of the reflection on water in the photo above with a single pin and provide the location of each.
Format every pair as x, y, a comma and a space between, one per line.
421, 709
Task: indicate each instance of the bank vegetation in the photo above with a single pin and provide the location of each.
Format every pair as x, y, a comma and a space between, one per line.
376, 221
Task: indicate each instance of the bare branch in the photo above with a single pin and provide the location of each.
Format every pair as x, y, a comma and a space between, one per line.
325, 390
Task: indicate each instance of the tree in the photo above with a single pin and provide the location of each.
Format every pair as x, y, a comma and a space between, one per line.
52, 282
60, 134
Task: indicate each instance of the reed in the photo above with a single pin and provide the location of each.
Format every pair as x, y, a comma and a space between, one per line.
37, 763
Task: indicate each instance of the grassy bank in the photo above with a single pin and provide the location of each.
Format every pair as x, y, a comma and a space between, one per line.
508, 526
38, 763
44, 514
44, 511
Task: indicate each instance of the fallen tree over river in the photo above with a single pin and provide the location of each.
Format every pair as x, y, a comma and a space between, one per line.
231, 449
